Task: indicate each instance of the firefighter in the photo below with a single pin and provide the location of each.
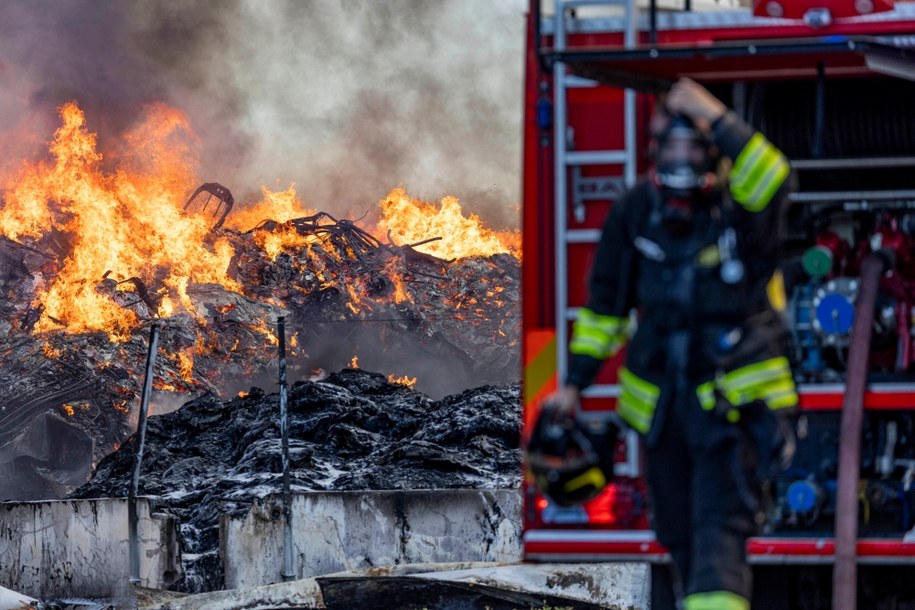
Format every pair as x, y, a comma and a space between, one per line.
685, 276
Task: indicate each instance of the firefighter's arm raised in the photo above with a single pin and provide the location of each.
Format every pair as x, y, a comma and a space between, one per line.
689, 98
760, 171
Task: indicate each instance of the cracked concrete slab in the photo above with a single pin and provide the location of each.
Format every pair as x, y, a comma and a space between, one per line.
67, 548
336, 531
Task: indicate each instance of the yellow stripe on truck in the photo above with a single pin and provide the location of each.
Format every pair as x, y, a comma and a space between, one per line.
540, 375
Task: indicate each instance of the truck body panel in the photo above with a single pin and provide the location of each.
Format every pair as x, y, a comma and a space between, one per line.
855, 186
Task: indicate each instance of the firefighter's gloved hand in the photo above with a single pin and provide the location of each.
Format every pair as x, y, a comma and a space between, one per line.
774, 436
563, 401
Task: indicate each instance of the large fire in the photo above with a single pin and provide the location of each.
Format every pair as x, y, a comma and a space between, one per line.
113, 225
409, 220
116, 227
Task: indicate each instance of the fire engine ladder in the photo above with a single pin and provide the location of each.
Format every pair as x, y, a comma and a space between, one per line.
569, 161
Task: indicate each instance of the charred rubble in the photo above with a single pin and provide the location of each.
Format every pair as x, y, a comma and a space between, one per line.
69, 399
353, 430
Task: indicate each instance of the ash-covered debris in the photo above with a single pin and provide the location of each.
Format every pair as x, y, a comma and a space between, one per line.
353, 430
66, 399
449, 325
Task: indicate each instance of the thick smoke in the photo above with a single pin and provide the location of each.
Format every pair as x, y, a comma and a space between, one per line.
345, 98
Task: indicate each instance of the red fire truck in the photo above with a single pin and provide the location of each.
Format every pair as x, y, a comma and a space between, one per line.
831, 84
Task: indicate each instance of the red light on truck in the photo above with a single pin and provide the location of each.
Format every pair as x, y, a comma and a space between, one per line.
601, 510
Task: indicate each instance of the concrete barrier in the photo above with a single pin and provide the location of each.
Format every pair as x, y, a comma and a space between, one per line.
78, 548
337, 531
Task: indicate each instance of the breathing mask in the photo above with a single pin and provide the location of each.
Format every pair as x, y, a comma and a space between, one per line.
683, 170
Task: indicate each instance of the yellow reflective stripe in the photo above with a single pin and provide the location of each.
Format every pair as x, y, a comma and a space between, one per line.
637, 400
582, 347
790, 399
777, 387
592, 476
640, 422
781, 397
769, 381
589, 343
759, 170
747, 158
752, 385
766, 370
741, 396
597, 335
768, 184
607, 324
715, 600
764, 156
596, 347
636, 404
706, 394
644, 390
590, 331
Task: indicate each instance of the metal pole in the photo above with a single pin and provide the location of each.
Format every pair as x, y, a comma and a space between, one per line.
288, 574
132, 517
560, 196
845, 573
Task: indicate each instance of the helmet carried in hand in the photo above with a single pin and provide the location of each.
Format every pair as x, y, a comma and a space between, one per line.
571, 463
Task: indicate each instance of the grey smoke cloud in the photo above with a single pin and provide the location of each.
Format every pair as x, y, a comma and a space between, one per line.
345, 98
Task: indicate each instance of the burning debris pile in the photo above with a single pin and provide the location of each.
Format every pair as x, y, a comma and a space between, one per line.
93, 252
353, 430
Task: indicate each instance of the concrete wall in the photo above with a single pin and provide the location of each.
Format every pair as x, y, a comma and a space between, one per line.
78, 548
336, 531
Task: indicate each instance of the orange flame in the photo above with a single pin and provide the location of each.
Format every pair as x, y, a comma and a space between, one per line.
266, 331
186, 366
394, 271
354, 363
126, 223
279, 206
109, 226
409, 220
51, 352
404, 380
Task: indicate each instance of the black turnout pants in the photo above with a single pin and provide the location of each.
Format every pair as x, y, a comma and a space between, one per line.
705, 499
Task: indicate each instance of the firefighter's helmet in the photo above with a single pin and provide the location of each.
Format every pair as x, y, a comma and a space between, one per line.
570, 462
